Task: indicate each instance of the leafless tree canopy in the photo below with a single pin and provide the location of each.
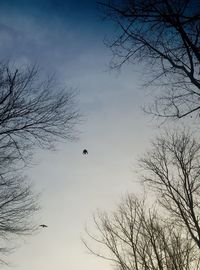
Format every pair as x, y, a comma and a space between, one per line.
17, 204
33, 113
172, 169
135, 238
164, 35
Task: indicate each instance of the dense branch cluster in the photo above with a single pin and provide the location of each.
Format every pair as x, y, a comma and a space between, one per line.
33, 113
165, 35
134, 237
173, 171
159, 234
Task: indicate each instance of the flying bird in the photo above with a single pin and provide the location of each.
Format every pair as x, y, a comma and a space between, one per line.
85, 152
43, 226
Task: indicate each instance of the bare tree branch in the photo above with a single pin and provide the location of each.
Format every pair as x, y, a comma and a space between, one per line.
165, 37
136, 238
33, 114
172, 169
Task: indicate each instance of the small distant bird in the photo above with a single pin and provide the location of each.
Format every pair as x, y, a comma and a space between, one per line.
43, 226
85, 152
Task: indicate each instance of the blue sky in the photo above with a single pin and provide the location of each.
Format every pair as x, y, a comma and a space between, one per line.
48, 27
66, 38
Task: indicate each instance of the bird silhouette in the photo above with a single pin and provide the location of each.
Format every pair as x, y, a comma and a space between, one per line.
85, 152
43, 226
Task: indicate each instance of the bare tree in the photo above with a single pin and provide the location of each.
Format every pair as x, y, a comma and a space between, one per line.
164, 36
17, 204
172, 169
135, 238
33, 113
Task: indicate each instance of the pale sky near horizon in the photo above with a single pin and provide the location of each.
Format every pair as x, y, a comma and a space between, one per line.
66, 38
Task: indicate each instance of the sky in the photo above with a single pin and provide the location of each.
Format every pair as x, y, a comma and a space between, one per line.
66, 38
